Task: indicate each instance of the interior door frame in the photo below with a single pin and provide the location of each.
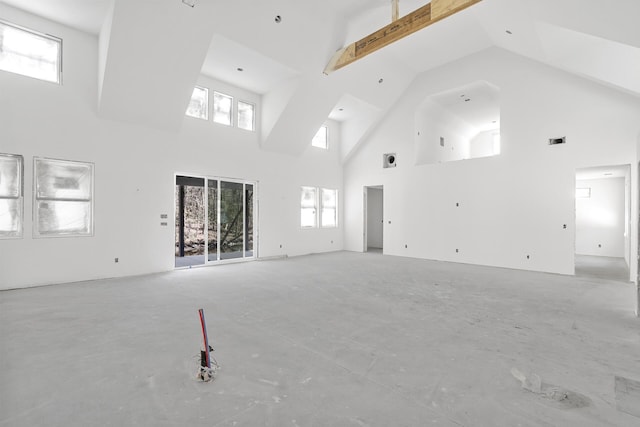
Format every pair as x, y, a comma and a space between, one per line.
365, 216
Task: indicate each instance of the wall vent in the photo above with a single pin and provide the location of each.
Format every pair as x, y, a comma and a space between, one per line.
389, 160
556, 141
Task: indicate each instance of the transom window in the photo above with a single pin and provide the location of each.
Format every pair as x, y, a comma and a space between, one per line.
321, 138
30, 53
246, 116
222, 108
199, 104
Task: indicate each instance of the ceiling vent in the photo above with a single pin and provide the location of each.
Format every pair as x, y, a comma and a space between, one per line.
556, 141
389, 160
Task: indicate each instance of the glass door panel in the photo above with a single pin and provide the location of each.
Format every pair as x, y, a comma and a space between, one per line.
190, 231
248, 230
212, 214
231, 220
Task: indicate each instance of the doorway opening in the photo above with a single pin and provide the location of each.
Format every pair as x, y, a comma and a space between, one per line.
373, 219
603, 220
214, 220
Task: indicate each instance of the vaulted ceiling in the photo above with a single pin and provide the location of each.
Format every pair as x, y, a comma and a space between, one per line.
283, 61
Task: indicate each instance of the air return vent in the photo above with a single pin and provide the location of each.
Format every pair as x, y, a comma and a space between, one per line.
389, 160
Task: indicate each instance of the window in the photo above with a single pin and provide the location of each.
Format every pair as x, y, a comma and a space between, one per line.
308, 207
583, 193
222, 108
496, 144
30, 53
199, 104
313, 197
246, 116
63, 194
11, 193
329, 206
320, 140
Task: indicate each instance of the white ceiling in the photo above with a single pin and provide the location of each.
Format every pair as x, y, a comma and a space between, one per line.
580, 36
477, 103
584, 37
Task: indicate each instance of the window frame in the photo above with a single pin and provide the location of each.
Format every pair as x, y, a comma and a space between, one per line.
42, 35
322, 207
314, 207
17, 234
206, 116
231, 111
326, 138
318, 207
253, 118
91, 199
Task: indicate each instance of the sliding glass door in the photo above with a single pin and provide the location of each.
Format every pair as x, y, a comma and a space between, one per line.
228, 206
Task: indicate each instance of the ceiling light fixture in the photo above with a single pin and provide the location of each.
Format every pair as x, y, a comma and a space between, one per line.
508, 32
240, 69
190, 3
467, 100
278, 19
380, 81
340, 109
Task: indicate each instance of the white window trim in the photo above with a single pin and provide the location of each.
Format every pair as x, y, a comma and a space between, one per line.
322, 208
36, 232
253, 124
206, 90
19, 233
43, 35
318, 206
231, 113
326, 147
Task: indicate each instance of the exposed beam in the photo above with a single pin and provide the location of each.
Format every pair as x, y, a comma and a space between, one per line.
408, 24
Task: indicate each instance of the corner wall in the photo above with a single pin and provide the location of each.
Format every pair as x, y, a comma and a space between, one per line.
134, 173
509, 210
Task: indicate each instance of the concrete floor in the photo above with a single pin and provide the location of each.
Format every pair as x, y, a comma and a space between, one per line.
602, 267
340, 339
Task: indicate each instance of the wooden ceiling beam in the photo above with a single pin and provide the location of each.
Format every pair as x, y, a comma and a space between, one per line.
398, 29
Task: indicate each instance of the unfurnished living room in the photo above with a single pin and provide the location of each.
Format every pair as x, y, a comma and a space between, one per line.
319, 213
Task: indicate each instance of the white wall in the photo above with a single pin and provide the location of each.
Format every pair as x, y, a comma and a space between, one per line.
600, 218
432, 122
134, 173
482, 145
509, 206
374, 217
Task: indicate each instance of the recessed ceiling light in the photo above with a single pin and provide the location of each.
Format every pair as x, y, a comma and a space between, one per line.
190, 3
240, 69
508, 32
278, 19
340, 109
